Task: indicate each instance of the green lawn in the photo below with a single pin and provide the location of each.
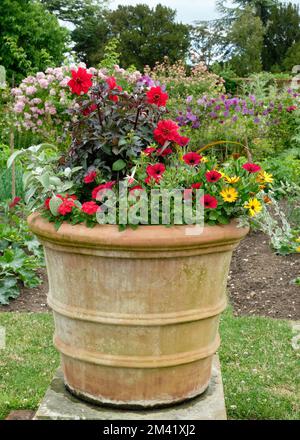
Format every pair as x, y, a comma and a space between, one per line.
260, 368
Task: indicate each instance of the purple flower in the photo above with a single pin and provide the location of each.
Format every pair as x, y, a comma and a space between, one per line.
189, 99
213, 115
252, 98
217, 107
147, 81
234, 118
256, 120
226, 114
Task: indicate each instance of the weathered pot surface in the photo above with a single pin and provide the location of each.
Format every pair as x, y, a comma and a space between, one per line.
137, 312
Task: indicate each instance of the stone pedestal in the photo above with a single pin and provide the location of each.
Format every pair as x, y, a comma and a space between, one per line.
59, 404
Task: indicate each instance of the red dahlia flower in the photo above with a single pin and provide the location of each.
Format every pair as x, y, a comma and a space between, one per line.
291, 109
14, 203
213, 176
107, 185
112, 84
192, 158
89, 178
182, 140
251, 167
208, 201
166, 130
89, 208
155, 171
87, 111
81, 81
157, 96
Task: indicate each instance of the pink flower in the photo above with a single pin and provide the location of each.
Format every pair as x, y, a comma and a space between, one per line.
251, 167
31, 90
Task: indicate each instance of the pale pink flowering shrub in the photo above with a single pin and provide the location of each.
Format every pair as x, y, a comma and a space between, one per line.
43, 103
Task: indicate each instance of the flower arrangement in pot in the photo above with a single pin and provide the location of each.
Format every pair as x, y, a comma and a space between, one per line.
136, 303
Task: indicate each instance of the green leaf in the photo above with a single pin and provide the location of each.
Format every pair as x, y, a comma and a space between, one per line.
119, 165
13, 157
8, 289
54, 204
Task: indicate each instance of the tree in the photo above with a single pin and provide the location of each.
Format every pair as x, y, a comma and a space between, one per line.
74, 11
260, 8
292, 57
246, 35
30, 38
282, 33
146, 35
207, 42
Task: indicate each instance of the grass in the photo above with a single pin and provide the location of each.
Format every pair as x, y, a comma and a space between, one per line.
259, 366
5, 183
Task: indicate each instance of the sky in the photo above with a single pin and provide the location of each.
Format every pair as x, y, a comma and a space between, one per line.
188, 11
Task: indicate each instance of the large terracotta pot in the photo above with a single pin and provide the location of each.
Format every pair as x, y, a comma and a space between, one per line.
136, 312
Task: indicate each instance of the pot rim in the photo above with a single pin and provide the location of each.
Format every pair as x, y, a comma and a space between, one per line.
145, 237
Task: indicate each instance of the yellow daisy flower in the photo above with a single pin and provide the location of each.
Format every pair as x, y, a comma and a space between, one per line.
297, 240
264, 177
233, 179
204, 159
254, 206
229, 194
298, 249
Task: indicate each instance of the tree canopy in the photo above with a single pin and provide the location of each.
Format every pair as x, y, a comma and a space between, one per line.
31, 38
146, 35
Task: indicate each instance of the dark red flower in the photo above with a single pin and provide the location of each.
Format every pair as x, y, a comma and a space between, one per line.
47, 203
136, 188
166, 130
81, 81
90, 208
156, 171
164, 152
150, 180
213, 176
87, 111
89, 178
103, 186
192, 158
66, 206
251, 167
208, 201
291, 109
157, 96
196, 185
149, 150
72, 196
15, 202
182, 140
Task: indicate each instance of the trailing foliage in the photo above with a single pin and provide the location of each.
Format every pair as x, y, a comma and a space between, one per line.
20, 253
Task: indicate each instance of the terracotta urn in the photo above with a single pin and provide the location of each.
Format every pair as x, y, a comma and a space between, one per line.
136, 312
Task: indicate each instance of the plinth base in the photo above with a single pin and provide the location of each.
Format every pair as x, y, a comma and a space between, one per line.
59, 404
